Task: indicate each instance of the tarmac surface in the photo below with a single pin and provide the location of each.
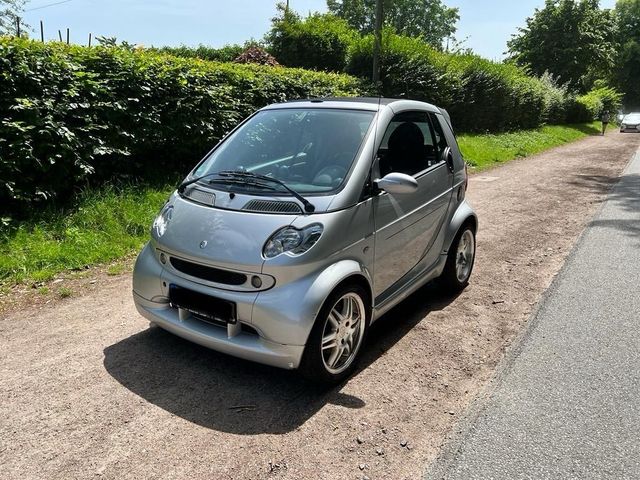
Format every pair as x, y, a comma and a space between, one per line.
565, 405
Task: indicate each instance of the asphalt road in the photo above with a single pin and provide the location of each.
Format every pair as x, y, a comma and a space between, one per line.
566, 405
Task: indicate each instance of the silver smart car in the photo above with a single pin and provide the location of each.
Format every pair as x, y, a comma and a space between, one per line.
303, 226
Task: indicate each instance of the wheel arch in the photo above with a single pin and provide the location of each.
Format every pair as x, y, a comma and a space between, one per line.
336, 276
463, 216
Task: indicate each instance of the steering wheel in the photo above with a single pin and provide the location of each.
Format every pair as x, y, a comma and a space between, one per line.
330, 176
334, 173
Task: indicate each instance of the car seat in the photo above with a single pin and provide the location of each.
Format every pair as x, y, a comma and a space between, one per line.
405, 152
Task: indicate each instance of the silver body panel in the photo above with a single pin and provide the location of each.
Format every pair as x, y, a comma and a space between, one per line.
393, 244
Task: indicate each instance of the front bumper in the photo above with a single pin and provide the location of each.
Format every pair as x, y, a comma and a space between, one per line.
231, 340
280, 319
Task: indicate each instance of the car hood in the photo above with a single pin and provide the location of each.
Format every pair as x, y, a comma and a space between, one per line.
219, 237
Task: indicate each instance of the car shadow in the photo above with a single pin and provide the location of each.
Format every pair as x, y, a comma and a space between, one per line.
625, 194
227, 394
587, 129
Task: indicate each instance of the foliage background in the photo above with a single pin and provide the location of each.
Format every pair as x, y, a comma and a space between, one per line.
74, 116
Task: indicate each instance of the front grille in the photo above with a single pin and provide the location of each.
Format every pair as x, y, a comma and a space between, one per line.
272, 206
210, 274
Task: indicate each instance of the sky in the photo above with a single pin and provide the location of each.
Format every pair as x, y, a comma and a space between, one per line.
485, 24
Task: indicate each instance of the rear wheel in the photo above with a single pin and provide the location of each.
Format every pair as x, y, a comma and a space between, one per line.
337, 337
460, 259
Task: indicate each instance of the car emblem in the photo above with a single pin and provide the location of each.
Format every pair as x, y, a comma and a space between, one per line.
203, 243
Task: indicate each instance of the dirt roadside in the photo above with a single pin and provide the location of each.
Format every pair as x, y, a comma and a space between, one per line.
87, 390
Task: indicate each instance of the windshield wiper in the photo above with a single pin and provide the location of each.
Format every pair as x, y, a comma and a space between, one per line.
242, 182
308, 206
186, 183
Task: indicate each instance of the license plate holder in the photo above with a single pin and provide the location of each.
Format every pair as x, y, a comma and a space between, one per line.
201, 304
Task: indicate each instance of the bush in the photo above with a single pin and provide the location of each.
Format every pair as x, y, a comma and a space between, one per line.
601, 99
480, 95
258, 56
73, 115
320, 42
228, 53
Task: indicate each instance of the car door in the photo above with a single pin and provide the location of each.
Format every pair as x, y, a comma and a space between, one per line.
407, 225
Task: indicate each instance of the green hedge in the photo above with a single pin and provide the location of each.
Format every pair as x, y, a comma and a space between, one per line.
228, 53
320, 42
480, 95
600, 99
73, 115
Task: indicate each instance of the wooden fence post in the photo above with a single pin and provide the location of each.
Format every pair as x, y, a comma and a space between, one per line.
18, 26
89, 40
60, 35
67, 36
41, 31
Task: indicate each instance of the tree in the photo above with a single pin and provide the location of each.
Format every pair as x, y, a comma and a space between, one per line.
626, 74
10, 11
572, 39
320, 41
430, 20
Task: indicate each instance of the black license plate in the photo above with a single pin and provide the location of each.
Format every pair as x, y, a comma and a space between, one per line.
201, 304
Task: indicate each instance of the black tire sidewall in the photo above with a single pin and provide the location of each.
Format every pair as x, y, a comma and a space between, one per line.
312, 365
450, 277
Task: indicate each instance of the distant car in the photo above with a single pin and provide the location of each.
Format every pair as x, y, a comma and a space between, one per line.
630, 123
306, 224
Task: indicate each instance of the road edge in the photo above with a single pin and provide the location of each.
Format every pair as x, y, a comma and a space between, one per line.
453, 441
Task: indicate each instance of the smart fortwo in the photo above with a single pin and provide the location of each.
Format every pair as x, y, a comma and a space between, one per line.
303, 226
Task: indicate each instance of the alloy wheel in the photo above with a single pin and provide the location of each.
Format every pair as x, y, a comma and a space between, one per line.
343, 333
464, 256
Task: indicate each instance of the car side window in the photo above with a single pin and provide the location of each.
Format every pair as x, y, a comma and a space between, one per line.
439, 137
409, 145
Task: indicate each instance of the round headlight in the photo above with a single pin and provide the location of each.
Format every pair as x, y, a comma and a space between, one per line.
161, 222
292, 240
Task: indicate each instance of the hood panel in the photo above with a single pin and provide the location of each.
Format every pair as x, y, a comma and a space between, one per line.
234, 239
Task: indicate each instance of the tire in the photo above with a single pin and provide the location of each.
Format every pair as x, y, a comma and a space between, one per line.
455, 276
332, 360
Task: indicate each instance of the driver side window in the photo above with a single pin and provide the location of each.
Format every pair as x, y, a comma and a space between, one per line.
408, 145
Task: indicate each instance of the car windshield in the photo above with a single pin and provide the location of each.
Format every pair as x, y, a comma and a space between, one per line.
632, 117
310, 150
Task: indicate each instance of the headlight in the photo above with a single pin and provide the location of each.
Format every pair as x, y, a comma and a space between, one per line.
292, 240
161, 222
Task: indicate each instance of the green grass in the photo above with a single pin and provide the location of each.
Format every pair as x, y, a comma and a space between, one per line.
115, 269
65, 292
485, 150
104, 226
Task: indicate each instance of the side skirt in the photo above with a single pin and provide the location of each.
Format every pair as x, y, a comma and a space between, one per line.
418, 281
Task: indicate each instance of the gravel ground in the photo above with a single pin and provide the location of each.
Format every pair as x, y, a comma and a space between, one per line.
89, 391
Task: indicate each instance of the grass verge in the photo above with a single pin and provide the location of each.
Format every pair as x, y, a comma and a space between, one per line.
485, 150
105, 225
108, 224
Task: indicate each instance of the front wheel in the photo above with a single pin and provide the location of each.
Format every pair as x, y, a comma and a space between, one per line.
460, 259
337, 337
